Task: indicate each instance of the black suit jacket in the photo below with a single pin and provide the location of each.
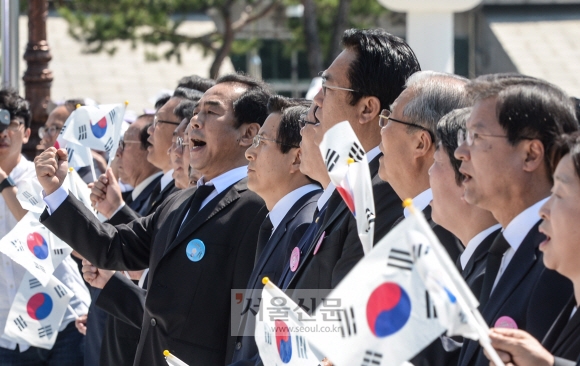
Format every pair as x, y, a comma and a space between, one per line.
138, 203
563, 338
270, 264
187, 309
527, 292
341, 248
474, 270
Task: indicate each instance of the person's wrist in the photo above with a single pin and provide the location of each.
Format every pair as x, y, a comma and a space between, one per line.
5, 183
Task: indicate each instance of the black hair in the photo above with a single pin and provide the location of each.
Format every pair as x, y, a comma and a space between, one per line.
196, 82
278, 103
288, 136
187, 93
185, 109
567, 144
143, 134
576, 103
160, 102
15, 105
529, 108
383, 64
252, 105
446, 131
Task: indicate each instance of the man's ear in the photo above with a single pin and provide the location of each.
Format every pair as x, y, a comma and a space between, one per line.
423, 144
370, 108
26, 136
534, 155
297, 153
247, 133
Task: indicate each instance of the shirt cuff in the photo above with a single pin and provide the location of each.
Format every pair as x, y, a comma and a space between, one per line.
55, 199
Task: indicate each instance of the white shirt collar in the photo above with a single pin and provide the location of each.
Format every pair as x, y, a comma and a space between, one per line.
474, 243
325, 196
420, 202
141, 186
520, 226
223, 181
166, 178
284, 205
373, 153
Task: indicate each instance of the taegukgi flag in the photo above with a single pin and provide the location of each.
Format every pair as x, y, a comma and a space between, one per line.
34, 247
95, 127
348, 168
37, 311
280, 329
386, 315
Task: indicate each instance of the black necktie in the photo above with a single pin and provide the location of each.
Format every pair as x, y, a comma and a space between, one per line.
198, 197
494, 257
263, 236
146, 208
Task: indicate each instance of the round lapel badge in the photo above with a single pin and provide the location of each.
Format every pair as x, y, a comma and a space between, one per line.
195, 250
295, 259
506, 322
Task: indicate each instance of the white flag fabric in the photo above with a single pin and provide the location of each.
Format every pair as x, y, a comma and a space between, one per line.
386, 315
29, 195
31, 245
348, 168
37, 311
280, 330
78, 155
96, 127
78, 188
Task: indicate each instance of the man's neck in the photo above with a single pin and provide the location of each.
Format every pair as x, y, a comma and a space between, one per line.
471, 223
142, 176
275, 197
9, 163
510, 208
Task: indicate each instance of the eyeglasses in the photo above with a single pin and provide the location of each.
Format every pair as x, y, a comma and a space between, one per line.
50, 131
122, 143
386, 116
259, 138
303, 122
331, 87
156, 121
12, 127
178, 145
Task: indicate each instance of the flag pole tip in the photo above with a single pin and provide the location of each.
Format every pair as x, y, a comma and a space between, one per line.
71, 169
126, 103
78, 105
265, 280
349, 161
408, 202
166, 353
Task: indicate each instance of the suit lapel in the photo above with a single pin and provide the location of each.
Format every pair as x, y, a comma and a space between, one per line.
479, 253
567, 326
217, 204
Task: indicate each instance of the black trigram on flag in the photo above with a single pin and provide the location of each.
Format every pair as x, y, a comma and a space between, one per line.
70, 151
38, 266
82, 132
60, 291
420, 250
45, 331
34, 283
109, 144
20, 323
431, 311
62, 130
112, 114
356, 152
58, 251
30, 198
301, 347
347, 322
370, 218
331, 159
372, 358
17, 245
400, 259
267, 334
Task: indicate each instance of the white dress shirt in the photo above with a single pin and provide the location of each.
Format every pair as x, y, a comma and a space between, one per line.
420, 202
166, 179
373, 153
284, 205
516, 231
11, 273
474, 243
222, 182
141, 186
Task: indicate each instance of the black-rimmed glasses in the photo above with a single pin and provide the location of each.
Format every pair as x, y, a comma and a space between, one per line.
385, 117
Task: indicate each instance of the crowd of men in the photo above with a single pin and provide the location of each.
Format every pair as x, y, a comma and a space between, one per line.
225, 185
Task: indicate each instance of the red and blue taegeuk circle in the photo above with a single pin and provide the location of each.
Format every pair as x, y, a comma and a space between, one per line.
283, 341
39, 306
100, 128
388, 309
37, 245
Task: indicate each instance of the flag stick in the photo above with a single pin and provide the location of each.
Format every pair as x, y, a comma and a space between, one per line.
72, 311
466, 297
172, 360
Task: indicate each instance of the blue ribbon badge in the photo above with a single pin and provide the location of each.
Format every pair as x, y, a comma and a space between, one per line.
195, 250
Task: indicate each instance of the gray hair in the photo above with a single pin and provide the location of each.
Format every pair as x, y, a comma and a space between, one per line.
434, 95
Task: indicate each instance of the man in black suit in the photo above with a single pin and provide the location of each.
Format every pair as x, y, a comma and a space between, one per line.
505, 153
350, 92
198, 246
290, 196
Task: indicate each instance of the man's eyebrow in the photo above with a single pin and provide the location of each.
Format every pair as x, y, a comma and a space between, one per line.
214, 103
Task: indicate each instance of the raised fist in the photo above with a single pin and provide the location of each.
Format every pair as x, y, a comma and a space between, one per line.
51, 168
